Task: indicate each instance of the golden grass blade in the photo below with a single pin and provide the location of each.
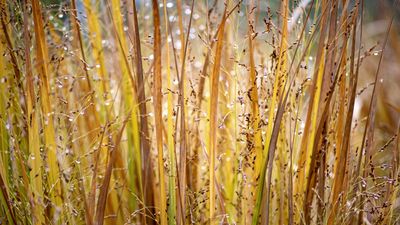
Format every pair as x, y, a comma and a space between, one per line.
101, 204
47, 114
254, 100
33, 130
182, 172
341, 120
170, 127
213, 116
145, 150
157, 100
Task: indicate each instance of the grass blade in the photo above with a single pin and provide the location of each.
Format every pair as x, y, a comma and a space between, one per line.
213, 116
101, 204
170, 126
158, 110
47, 114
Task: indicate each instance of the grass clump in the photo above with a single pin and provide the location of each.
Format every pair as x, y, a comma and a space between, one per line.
199, 112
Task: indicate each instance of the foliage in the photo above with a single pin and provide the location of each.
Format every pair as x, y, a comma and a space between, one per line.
199, 112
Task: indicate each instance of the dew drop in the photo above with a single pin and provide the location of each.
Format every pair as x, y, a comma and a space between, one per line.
8, 126
197, 64
187, 11
178, 44
363, 183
